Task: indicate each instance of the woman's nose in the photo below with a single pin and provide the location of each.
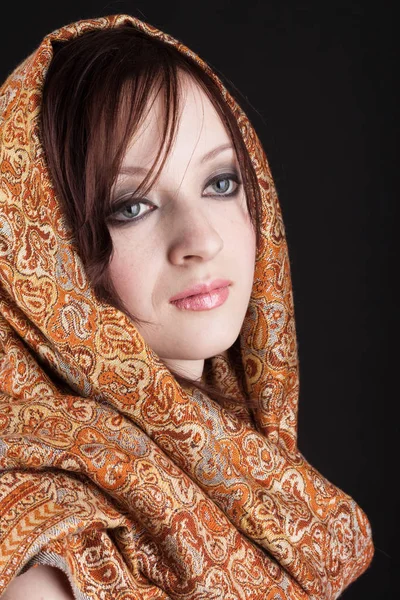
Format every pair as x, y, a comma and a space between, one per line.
192, 237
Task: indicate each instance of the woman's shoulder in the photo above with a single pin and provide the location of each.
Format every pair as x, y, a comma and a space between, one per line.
39, 583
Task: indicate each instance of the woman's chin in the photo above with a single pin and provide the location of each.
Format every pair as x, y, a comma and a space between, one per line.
198, 349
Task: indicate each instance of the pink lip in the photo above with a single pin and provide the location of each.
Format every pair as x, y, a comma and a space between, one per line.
201, 288
203, 296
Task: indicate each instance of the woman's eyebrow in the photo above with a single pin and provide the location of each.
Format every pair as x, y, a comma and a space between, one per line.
213, 153
133, 170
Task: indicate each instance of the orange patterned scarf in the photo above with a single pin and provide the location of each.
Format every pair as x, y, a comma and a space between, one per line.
109, 469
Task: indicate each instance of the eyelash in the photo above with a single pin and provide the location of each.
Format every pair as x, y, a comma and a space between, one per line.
124, 204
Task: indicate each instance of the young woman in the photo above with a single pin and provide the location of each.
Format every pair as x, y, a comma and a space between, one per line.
149, 370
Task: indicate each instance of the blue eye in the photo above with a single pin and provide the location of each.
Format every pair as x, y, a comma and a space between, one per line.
226, 184
223, 185
130, 211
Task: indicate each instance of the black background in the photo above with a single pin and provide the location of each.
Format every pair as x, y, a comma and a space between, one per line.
318, 82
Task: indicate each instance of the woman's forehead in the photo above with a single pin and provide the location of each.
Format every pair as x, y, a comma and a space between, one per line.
199, 129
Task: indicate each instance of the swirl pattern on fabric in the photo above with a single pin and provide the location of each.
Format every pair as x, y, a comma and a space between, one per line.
112, 471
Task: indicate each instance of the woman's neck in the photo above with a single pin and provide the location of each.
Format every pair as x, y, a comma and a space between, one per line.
190, 369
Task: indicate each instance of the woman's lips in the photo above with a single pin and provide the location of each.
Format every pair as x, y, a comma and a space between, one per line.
205, 301
203, 296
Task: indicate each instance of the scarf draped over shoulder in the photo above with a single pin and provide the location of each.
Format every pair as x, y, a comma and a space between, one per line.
134, 486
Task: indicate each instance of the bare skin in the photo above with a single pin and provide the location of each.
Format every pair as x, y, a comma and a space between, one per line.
39, 583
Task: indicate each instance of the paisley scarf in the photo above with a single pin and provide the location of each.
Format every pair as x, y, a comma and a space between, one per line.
133, 485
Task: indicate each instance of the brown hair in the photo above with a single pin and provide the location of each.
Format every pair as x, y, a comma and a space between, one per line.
96, 92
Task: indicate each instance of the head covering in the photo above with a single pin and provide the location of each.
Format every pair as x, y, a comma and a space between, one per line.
111, 470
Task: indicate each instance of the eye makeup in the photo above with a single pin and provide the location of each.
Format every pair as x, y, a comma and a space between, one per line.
127, 208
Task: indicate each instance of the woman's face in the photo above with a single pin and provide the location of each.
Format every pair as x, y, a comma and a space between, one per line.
191, 229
